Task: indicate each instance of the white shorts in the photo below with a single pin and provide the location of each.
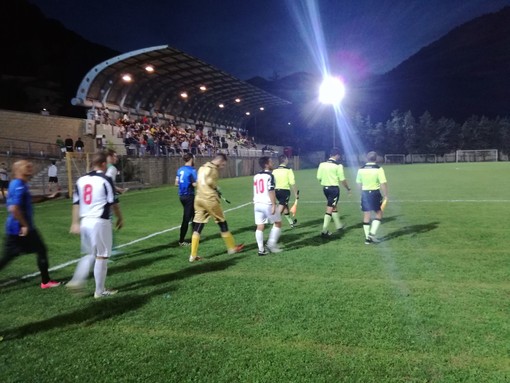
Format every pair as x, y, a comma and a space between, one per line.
96, 236
263, 214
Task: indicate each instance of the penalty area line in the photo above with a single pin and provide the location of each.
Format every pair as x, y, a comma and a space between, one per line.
65, 264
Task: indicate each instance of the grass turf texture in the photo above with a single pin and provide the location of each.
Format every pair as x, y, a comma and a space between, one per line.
428, 304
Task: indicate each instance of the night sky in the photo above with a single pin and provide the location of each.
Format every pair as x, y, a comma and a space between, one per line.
259, 38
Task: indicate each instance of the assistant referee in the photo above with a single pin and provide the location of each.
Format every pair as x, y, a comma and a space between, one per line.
331, 174
285, 181
371, 180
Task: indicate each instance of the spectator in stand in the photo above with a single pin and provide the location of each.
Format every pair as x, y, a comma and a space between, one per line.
53, 176
79, 145
69, 144
21, 233
185, 146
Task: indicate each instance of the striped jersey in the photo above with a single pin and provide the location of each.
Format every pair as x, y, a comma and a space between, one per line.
263, 183
94, 193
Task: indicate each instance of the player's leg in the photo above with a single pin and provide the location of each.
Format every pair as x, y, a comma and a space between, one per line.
200, 219
102, 239
187, 216
33, 243
283, 196
274, 234
331, 195
216, 211
10, 251
260, 221
82, 271
374, 204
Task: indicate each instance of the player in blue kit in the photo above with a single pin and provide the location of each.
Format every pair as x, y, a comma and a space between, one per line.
186, 180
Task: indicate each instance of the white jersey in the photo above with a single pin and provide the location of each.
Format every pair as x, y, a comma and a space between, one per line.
263, 182
94, 193
52, 171
111, 171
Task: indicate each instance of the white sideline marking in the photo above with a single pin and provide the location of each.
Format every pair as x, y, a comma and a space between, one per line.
62, 265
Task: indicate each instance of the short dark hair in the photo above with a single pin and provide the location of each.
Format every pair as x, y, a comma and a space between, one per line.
372, 156
187, 156
98, 159
221, 156
334, 152
263, 161
282, 158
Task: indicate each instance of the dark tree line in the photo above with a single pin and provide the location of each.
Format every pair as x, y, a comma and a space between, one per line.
403, 133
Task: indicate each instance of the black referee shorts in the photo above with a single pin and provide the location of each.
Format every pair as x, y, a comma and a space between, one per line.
332, 194
282, 196
371, 200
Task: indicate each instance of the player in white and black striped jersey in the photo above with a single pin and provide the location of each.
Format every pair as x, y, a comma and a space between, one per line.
93, 200
265, 207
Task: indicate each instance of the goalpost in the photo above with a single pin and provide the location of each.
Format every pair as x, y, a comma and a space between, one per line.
476, 155
423, 158
394, 158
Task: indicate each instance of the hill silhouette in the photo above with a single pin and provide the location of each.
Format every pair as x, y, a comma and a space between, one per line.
466, 72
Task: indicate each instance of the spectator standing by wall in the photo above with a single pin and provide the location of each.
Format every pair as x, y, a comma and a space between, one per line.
21, 233
60, 143
69, 144
53, 176
4, 180
79, 145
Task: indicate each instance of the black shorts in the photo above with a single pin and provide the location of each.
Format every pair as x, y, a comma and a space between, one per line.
4, 184
53, 180
332, 194
282, 196
371, 200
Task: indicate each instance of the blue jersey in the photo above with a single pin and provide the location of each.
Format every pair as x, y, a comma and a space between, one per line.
19, 195
186, 176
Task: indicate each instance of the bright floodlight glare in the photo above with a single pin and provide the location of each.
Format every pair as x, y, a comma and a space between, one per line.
332, 91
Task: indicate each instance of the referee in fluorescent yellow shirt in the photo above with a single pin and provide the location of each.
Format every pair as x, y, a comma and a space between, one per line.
371, 180
285, 181
331, 174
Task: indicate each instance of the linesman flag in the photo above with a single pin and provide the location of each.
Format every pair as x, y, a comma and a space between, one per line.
293, 209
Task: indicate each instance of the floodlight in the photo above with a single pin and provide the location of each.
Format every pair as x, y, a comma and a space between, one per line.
332, 91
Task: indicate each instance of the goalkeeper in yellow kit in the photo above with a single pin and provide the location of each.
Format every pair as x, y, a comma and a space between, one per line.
207, 204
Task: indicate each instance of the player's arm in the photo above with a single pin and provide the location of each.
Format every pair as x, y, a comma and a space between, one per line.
118, 214
272, 197
384, 189
18, 215
346, 186
75, 223
343, 180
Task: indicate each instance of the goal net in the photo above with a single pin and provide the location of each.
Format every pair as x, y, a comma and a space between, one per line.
476, 155
423, 158
394, 158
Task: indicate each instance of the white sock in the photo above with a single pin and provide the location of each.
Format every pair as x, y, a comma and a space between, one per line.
100, 269
375, 226
259, 236
82, 270
274, 235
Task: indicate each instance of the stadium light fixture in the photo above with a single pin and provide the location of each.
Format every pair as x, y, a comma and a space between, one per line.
221, 105
203, 88
127, 77
238, 100
262, 108
248, 113
184, 95
149, 69
332, 92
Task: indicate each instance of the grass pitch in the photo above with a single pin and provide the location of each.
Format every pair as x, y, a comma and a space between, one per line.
428, 304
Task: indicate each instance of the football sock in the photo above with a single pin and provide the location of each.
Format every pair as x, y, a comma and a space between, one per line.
274, 235
259, 236
366, 228
327, 220
374, 226
289, 220
83, 269
229, 240
336, 219
100, 269
195, 240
